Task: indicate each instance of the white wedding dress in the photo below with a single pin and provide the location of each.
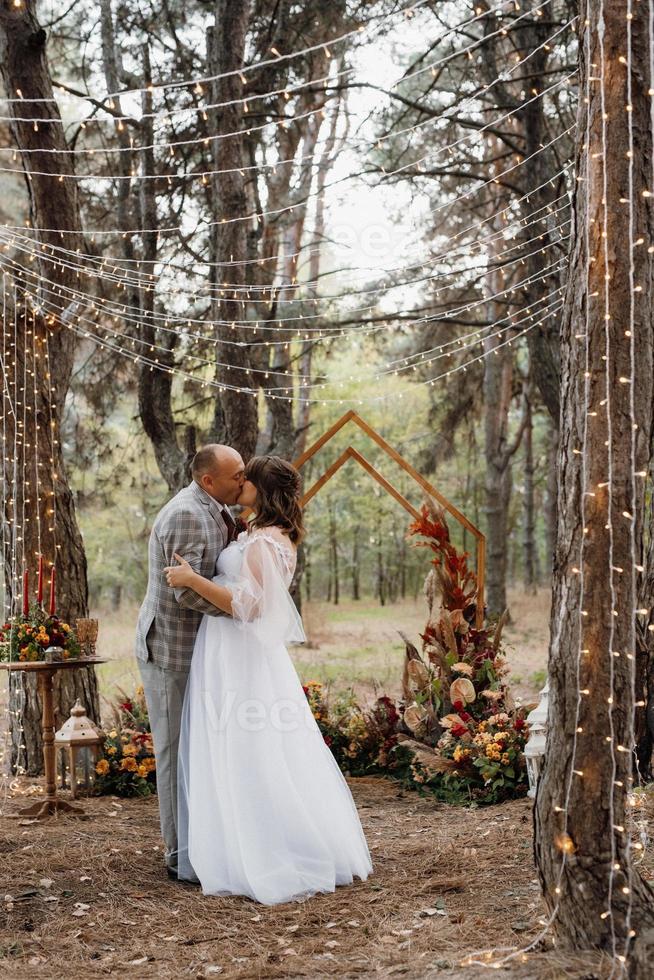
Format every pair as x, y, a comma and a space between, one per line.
263, 808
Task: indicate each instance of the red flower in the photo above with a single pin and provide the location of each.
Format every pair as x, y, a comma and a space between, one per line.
519, 724
126, 706
458, 730
464, 716
458, 705
385, 710
327, 740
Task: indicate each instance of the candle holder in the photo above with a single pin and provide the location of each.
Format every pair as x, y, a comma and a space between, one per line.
53, 655
87, 635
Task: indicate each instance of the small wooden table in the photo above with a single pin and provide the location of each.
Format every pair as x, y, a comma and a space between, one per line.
45, 671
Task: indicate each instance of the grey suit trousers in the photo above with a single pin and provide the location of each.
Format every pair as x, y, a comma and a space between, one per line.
164, 693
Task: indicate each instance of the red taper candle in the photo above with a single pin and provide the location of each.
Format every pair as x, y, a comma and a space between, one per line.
39, 591
52, 591
26, 598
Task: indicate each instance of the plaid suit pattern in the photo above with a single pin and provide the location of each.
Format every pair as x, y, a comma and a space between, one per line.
191, 524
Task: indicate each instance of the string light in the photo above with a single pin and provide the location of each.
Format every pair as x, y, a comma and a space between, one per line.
127, 312
242, 72
22, 242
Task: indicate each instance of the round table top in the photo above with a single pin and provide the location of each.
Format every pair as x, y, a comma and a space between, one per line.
46, 665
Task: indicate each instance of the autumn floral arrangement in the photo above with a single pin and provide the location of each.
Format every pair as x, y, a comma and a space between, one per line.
27, 637
361, 739
127, 766
458, 720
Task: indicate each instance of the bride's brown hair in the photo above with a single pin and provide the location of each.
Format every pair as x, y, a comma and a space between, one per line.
277, 484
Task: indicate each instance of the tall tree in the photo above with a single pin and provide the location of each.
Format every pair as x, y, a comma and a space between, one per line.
236, 421
42, 347
582, 845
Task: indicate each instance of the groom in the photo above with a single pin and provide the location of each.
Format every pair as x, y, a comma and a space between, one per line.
197, 525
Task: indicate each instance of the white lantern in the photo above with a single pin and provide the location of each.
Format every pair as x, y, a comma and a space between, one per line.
537, 742
81, 741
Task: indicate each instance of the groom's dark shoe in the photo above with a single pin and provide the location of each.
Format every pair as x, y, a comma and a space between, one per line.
173, 875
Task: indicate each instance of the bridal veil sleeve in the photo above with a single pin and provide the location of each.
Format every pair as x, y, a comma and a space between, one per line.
261, 604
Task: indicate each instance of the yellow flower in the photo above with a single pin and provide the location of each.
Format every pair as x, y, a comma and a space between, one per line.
149, 763
111, 750
102, 767
130, 750
142, 771
128, 764
505, 759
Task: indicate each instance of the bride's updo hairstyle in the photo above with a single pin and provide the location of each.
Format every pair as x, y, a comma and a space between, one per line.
277, 484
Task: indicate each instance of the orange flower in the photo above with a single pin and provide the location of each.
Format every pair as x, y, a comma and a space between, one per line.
102, 767
128, 764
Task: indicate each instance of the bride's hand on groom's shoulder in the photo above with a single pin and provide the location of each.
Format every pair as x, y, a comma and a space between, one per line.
179, 576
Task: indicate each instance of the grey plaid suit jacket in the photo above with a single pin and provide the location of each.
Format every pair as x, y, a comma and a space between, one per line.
192, 525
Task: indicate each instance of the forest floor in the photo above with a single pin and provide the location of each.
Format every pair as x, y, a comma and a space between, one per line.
357, 644
87, 897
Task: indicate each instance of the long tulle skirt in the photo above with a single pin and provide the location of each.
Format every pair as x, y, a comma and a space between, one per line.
264, 810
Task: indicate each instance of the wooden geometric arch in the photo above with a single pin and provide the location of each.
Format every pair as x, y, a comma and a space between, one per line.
352, 453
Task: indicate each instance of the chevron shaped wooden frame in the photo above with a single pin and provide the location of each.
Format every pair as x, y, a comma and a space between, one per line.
352, 453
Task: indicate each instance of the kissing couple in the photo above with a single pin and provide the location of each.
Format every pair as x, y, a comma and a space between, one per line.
251, 800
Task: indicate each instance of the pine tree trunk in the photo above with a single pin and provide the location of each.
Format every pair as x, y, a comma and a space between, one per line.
46, 347
549, 509
236, 416
528, 504
582, 801
498, 390
356, 571
333, 547
308, 567
381, 573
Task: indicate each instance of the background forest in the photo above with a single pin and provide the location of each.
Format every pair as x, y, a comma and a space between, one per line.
378, 223
385, 267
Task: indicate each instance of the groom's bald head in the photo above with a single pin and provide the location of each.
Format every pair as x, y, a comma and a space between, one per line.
220, 471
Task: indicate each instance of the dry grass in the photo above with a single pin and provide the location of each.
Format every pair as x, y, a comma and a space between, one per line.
357, 644
472, 869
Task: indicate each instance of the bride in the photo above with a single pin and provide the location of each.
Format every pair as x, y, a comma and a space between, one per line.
264, 810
